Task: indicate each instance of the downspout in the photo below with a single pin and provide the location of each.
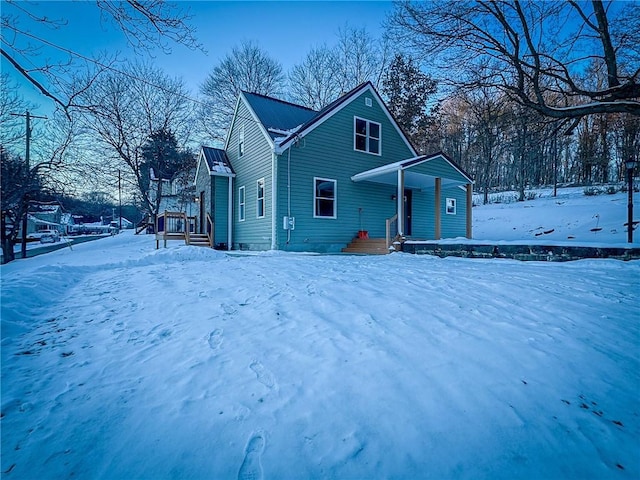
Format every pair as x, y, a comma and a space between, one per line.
230, 214
274, 202
289, 192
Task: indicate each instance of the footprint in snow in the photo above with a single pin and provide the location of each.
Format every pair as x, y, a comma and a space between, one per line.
215, 339
263, 375
251, 468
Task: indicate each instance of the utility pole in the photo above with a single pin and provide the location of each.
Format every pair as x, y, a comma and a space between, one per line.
28, 168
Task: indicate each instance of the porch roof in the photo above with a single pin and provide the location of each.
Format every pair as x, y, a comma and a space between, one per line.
388, 174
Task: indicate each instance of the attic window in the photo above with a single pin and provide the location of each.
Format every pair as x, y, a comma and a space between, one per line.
368, 102
367, 136
241, 142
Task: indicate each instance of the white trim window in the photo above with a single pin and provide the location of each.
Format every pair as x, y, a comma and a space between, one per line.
324, 197
241, 204
241, 142
451, 206
366, 135
260, 198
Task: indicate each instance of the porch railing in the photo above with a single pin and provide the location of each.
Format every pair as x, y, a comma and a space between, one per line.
171, 226
210, 229
391, 229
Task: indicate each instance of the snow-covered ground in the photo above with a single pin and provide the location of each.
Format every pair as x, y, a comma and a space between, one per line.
120, 361
570, 218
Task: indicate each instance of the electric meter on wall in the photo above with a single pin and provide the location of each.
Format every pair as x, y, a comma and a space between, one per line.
289, 223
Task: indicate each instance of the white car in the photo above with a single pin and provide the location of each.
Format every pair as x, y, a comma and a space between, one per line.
47, 236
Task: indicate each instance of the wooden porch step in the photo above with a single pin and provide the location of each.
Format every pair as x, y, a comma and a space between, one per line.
367, 246
199, 240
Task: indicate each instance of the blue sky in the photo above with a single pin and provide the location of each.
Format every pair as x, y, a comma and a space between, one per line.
286, 30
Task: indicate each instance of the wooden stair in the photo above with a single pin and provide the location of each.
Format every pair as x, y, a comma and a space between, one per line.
198, 240
367, 246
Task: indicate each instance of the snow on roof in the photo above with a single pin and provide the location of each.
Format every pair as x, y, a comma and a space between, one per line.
217, 161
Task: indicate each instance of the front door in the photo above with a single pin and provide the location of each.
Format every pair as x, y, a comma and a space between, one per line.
407, 211
201, 227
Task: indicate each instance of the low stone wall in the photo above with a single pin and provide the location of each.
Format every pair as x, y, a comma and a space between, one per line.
540, 253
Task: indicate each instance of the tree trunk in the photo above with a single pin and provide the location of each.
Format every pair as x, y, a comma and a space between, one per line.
7, 243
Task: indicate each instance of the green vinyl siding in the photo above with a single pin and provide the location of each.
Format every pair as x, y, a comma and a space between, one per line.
203, 184
253, 233
454, 225
328, 152
221, 210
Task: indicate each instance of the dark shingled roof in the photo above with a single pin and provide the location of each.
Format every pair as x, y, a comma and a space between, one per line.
217, 160
278, 114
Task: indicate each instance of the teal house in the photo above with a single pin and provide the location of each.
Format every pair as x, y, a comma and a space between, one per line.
345, 177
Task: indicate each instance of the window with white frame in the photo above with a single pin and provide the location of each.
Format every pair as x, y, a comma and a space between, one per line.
241, 204
366, 136
324, 196
260, 198
451, 206
241, 142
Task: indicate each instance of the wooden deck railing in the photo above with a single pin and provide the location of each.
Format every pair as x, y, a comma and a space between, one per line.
171, 226
391, 229
210, 229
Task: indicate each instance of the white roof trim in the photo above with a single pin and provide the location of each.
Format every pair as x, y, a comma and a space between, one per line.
331, 113
255, 119
200, 159
387, 174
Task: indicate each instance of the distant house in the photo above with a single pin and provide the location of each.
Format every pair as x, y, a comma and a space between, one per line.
44, 216
177, 192
291, 178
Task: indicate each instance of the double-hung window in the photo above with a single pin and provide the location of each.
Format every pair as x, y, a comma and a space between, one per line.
260, 198
241, 204
366, 136
324, 196
451, 206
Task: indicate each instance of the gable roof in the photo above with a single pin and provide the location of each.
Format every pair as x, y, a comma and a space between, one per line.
336, 106
277, 116
217, 162
387, 174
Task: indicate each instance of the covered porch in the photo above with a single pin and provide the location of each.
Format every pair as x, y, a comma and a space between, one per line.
431, 190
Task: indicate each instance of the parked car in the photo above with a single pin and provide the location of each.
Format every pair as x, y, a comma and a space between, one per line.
46, 236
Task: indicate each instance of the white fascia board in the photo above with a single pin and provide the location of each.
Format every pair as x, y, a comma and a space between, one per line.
200, 159
368, 88
375, 172
428, 158
233, 121
257, 120
391, 119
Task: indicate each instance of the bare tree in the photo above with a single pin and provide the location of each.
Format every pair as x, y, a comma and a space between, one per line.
314, 82
146, 25
126, 109
24, 181
536, 50
360, 58
247, 68
488, 114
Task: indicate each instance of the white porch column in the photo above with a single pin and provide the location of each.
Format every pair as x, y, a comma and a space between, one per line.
469, 211
230, 213
400, 198
438, 209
